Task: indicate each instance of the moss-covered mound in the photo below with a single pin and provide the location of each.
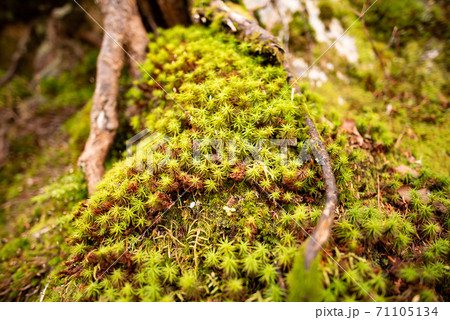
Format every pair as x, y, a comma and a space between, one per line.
221, 227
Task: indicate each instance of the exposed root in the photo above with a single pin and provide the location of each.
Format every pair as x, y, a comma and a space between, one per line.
249, 29
322, 231
123, 28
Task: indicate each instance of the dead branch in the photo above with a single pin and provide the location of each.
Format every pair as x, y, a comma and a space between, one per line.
322, 231
123, 28
248, 29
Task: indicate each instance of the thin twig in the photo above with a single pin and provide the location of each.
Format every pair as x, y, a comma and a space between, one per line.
378, 191
392, 38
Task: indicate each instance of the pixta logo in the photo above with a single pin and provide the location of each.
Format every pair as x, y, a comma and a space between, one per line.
152, 151
148, 151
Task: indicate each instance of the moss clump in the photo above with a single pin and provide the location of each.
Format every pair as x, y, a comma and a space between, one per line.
38, 246
235, 231
201, 249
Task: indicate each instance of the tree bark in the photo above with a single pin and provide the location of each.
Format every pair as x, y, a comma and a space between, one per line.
123, 28
165, 13
176, 12
125, 37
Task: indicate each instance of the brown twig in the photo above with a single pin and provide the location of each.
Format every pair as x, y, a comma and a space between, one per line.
322, 231
378, 192
392, 38
248, 29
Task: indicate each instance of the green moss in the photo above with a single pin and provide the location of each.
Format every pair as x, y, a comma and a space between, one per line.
71, 88
213, 251
14, 91
77, 127
12, 248
237, 231
326, 11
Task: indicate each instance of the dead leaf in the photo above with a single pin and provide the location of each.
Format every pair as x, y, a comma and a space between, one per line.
402, 169
406, 193
440, 207
349, 126
231, 202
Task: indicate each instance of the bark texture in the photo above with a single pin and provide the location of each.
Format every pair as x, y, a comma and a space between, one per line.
176, 11
165, 13
123, 30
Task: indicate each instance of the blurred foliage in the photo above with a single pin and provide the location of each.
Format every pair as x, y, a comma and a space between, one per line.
72, 87
414, 18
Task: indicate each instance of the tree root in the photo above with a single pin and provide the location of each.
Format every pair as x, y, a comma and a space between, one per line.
249, 30
123, 28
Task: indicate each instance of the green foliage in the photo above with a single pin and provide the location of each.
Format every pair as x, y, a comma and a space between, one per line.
411, 16
70, 88
69, 188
